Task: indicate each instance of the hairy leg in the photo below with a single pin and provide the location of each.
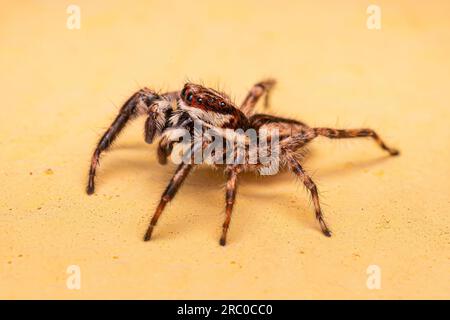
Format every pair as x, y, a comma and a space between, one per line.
130, 110
248, 105
354, 133
142, 102
230, 197
297, 141
174, 184
311, 186
286, 127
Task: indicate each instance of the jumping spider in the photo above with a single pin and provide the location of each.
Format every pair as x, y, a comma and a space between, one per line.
170, 111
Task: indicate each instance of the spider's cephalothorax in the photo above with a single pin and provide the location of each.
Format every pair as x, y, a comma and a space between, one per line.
171, 112
212, 107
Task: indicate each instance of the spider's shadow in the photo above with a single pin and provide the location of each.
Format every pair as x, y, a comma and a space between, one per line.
201, 176
206, 180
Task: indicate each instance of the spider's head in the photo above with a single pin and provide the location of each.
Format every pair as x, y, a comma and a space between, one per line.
197, 96
210, 106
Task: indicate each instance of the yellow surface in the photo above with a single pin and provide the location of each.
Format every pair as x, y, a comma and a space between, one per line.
61, 88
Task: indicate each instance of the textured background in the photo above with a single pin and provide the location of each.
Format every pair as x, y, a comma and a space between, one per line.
61, 88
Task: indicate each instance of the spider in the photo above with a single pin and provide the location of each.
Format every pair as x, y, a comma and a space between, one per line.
174, 110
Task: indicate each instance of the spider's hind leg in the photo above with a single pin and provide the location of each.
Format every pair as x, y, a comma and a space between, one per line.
265, 86
355, 133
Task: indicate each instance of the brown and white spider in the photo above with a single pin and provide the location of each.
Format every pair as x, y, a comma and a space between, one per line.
171, 111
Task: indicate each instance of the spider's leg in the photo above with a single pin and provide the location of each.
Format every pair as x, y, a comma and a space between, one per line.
286, 127
354, 133
133, 107
311, 186
248, 105
174, 184
230, 197
299, 140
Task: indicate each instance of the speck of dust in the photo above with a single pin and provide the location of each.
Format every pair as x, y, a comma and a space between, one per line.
235, 263
49, 172
115, 257
379, 173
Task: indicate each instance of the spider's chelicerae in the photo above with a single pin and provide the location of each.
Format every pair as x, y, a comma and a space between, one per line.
172, 111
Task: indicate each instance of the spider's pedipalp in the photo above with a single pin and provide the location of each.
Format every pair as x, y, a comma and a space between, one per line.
159, 115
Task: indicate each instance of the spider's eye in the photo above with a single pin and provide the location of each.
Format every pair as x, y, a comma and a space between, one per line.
199, 100
189, 97
222, 104
183, 92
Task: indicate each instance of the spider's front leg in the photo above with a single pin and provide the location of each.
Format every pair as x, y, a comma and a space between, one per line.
174, 184
311, 186
142, 102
